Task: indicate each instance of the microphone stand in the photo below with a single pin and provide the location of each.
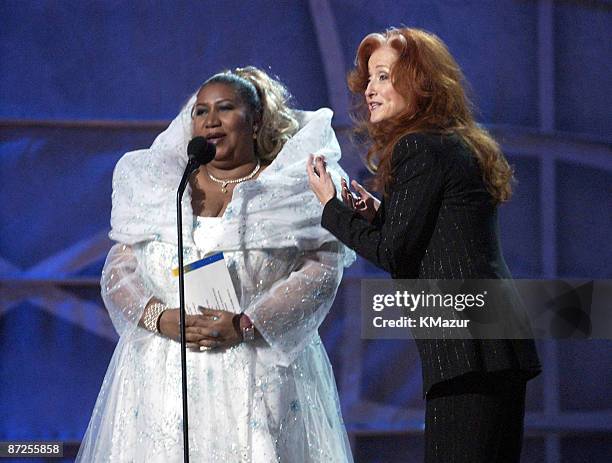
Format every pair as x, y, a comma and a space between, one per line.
191, 166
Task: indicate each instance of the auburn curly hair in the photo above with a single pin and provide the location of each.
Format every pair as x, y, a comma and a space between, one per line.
430, 79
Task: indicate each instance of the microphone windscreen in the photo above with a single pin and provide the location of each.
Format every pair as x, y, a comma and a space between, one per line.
201, 150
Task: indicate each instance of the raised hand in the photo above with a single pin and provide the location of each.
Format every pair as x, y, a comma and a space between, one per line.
319, 179
364, 202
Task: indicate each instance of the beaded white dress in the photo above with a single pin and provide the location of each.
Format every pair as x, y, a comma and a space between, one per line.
272, 400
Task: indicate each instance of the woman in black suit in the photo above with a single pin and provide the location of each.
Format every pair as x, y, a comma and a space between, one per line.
441, 177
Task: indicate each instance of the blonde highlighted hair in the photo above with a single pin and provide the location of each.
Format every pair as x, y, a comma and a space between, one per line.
432, 83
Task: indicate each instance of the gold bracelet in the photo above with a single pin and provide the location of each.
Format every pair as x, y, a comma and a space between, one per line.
151, 316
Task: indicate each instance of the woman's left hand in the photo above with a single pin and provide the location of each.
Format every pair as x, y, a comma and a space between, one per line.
218, 328
320, 181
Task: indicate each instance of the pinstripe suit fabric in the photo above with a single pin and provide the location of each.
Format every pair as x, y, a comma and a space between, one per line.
439, 222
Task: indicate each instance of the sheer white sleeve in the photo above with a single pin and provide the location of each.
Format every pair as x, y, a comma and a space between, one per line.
124, 291
289, 314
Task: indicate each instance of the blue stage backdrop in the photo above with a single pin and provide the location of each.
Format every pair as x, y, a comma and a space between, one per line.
83, 82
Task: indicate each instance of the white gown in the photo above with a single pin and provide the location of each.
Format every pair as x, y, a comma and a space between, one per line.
272, 400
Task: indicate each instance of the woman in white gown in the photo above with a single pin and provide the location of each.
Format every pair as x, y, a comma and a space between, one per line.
272, 399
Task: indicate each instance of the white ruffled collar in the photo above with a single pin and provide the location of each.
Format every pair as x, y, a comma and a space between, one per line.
275, 210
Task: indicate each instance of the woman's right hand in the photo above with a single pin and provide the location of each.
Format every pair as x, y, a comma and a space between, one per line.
194, 335
365, 204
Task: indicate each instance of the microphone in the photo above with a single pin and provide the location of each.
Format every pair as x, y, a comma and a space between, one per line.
200, 151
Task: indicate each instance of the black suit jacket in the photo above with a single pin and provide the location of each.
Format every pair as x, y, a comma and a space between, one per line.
438, 222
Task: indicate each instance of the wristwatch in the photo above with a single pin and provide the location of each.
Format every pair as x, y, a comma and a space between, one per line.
247, 328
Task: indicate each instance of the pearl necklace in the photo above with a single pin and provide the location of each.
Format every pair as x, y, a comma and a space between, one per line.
226, 182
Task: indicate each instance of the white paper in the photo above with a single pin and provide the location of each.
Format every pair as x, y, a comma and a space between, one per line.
208, 284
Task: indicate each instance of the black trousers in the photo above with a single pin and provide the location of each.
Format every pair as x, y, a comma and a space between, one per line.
477, 417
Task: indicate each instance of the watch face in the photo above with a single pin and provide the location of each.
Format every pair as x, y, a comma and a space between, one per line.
248, 333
